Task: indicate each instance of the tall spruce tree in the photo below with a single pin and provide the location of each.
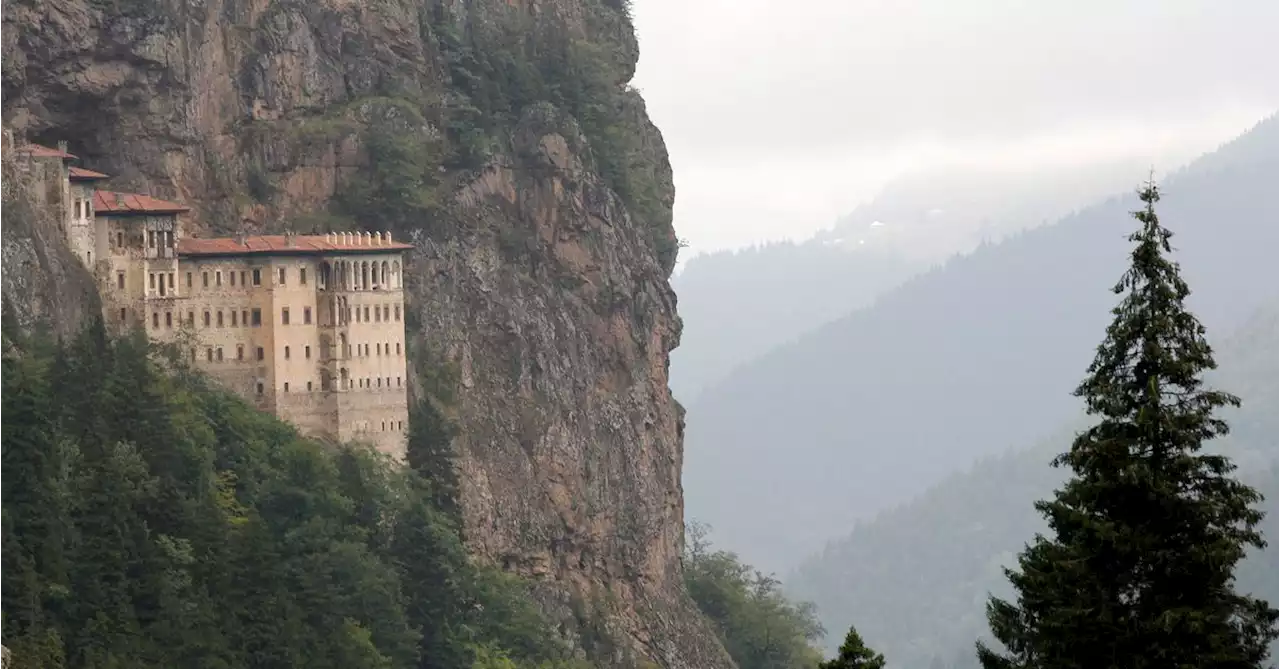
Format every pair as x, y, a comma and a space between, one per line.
854, 654
1149, 528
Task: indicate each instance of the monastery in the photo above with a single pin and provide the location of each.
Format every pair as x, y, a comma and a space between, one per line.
308, 327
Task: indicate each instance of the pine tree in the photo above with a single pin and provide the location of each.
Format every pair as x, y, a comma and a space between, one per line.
854, 654
1148, 528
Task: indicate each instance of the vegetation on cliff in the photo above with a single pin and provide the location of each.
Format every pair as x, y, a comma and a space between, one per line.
757, 624
153, 520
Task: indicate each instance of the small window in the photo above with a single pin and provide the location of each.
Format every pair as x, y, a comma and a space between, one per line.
217, 279
232, 277
244, 317
257, 317
155, 319
151, 280
282, 274
191, 318
204, 279
172, 285
302, 276
284, 316
193, 355
151, 238
357, 314
261, 353
401, 425
386, 313
308, 386
124, 315
189, 284
219, 318
378, 348
168, 319
208, 354
239, 351
398, 379
259, 387
307, 352
306, 315
286, 386
257, 277
219, 354
377, 314
384, 426
120, 280
396, 311
235, 316
366, 350
397, 348
78, 214
242, 278
119, 240
88, 257
286, 353
206, 319
366, 314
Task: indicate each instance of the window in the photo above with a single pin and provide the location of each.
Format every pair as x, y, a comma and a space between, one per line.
366, 314
206, 319
259, 387
239, 351
88, 257
193, 355
119, 240
232, 277
400, 425
384, 426
208, 354
302, 276
219, 318
306, 315
379, 348
284, 316
308, 386
261, 353
168, 319
366, 349
396, 311
397, 348
124, 315
191, 318
398, 381
189, 284
386, 313
357, 314
78, 215
234, 316
244, 317
307, 352
204, 279
151, 238
242, 278
377, 314
172, 285
151, 280
217, 278
257, 317
155, 319
286, 353
257, 277
282, 273
120, 280
219, 355
286, 386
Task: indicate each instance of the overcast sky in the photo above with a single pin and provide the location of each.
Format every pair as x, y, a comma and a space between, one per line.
781, 115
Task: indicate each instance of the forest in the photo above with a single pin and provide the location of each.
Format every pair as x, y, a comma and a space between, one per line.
154, 520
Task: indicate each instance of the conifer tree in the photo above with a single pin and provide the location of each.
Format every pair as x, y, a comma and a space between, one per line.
1149, 527
854, 654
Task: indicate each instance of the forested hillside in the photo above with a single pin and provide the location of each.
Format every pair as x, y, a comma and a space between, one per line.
152, 520
971, 359
915, 579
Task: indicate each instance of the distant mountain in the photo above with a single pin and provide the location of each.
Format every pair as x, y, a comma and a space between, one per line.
915, 579
737, 305
968, 360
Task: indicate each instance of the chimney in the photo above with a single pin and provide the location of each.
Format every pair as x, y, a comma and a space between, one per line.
368, 238
346, 239
290, 239
62, 145
387, 236
377, 236
241, 238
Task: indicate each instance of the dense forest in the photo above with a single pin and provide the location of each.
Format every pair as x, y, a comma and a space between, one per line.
153, 520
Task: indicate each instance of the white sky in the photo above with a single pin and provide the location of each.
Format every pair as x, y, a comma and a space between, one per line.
782, 115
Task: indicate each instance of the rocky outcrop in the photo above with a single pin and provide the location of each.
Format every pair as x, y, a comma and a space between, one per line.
542, 228
45, 287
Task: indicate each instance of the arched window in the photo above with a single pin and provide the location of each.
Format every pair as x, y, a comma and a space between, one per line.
395, 274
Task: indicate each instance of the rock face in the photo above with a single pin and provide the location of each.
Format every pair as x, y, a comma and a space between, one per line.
542, 229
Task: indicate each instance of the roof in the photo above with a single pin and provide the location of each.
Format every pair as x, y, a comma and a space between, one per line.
279, 245
41, 151
106, 203
81, 174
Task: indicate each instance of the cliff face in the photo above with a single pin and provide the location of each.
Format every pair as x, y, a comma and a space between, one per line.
500, 138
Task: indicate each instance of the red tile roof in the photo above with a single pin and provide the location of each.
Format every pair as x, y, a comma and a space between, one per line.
40, 151
107, 203
81, 174
279, 245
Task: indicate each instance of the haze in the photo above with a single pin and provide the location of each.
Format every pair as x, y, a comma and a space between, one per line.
780, 116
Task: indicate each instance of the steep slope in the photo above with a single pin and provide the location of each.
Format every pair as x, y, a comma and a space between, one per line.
736, 305
915, 579
501, 138
970, 359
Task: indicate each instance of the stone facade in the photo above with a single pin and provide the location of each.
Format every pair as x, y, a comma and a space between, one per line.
310, 328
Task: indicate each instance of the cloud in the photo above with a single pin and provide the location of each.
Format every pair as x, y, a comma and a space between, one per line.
816, 103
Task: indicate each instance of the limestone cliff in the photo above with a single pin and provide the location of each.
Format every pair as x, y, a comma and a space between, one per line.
499, 136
